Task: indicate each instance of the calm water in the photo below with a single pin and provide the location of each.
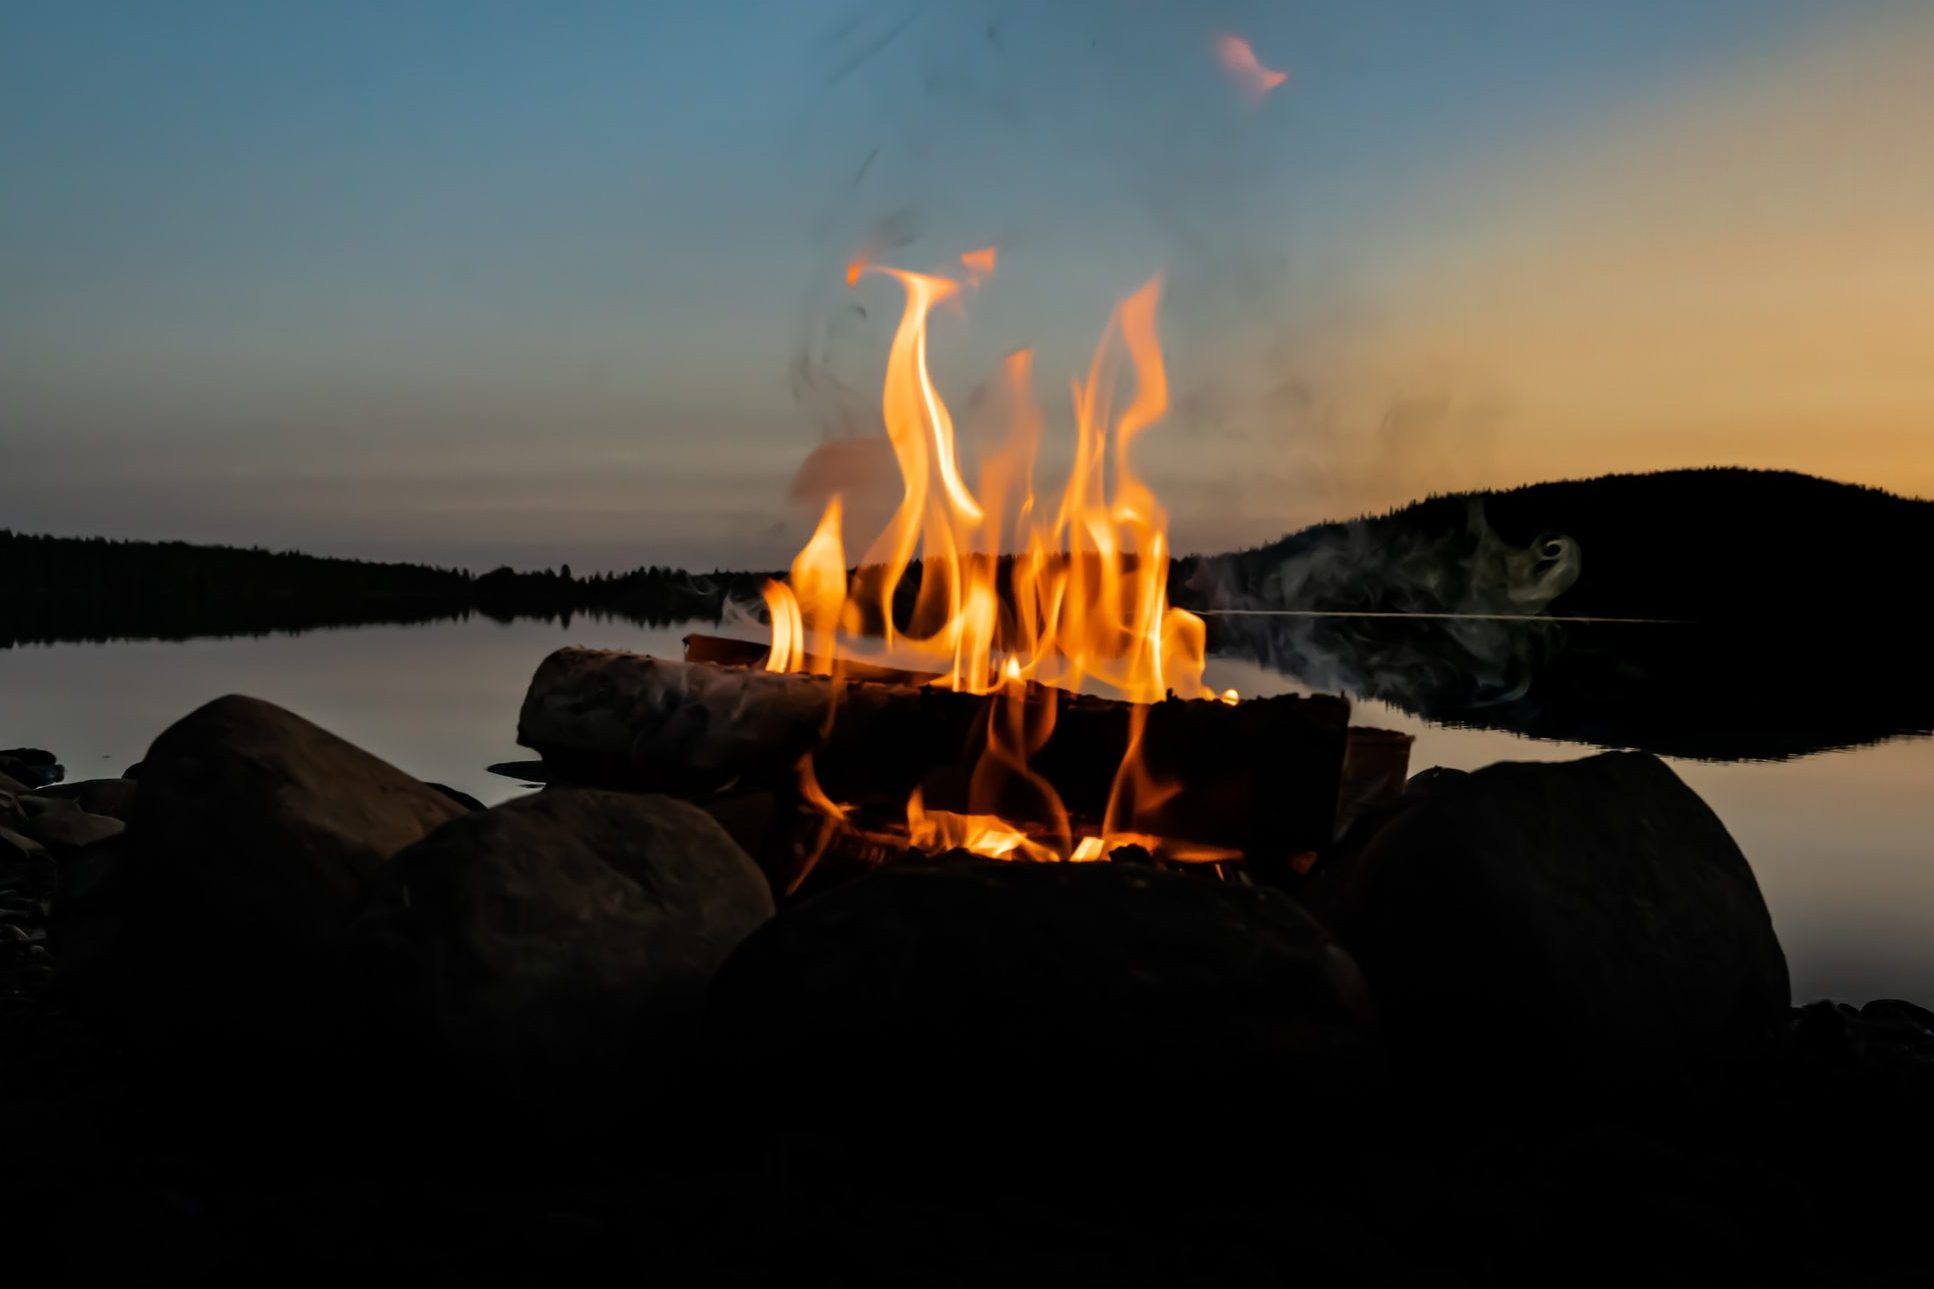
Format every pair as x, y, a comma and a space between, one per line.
1839, 839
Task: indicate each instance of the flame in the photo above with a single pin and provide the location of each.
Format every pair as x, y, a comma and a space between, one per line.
1016, 599
788, 652
1239, 59
831, 817
980, 263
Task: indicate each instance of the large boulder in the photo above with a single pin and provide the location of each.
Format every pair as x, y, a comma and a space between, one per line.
558, 932
111, 797
24, 862
257, 829
1556, 927
62, 825
1108, 1020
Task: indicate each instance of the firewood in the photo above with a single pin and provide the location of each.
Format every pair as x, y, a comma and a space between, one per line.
747, 653
1260, 776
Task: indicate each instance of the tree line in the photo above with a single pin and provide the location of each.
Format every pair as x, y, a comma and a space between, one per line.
91, 588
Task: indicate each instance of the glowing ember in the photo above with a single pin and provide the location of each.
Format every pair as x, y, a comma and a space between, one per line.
1082, 600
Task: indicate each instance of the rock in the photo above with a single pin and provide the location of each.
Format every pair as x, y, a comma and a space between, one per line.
1555, 927
1138, 1020
92, 878
1887, 1047
88, 918
111, 797
256, 829
463, 799
61, 825
555, 932
24, 862
31, 766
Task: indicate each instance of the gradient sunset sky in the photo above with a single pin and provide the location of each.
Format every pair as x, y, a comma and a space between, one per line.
479, 282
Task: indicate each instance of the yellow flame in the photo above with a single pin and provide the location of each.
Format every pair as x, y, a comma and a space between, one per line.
1088, 849
1081, 597
788, 650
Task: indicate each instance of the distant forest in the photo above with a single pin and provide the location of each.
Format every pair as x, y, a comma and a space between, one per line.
1700, 545
71, 588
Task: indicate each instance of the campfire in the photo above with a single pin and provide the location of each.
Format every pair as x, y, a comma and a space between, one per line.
1000, 671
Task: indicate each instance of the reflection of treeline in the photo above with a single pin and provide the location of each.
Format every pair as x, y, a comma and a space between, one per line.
1709, 544
66, 588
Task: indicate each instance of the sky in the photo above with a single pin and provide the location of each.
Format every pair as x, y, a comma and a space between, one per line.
476, 283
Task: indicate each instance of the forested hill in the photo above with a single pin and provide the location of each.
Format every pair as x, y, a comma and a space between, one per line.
1686, 544
71, 588
1719, 543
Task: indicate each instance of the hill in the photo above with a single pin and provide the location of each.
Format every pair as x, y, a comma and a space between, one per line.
1708, 613
1701, 545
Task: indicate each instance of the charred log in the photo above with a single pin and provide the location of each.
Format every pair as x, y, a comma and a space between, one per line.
1261, 776
747, 653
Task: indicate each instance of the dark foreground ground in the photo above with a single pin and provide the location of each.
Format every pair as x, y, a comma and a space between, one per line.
1532, 1028
1817, 1177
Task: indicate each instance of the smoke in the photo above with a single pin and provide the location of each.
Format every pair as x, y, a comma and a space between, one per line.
1724, 265
1484, 646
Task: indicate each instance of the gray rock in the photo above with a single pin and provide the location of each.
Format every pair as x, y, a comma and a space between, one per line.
1545, 927
35, 767
111, 797
92, 878
259, 828
18, 846
24, 862
463, 799
63, 826
88, 918
556, 930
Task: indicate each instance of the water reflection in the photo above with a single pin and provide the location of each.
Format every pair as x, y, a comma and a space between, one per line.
1761, 691
1838, 841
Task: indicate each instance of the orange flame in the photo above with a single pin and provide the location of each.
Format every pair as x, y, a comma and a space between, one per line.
1239, 59
806, 607
980, 263
1081, 597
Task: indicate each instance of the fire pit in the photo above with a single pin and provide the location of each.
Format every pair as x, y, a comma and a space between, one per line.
1001, 674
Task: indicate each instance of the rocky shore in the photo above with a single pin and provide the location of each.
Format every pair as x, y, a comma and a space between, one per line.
273, 1008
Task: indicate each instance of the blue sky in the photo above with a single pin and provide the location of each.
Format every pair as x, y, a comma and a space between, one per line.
479, 282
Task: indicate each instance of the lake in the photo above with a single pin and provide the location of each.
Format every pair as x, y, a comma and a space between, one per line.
1839, 839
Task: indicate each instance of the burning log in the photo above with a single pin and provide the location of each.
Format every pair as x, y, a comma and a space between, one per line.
750, 653
1261, 777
